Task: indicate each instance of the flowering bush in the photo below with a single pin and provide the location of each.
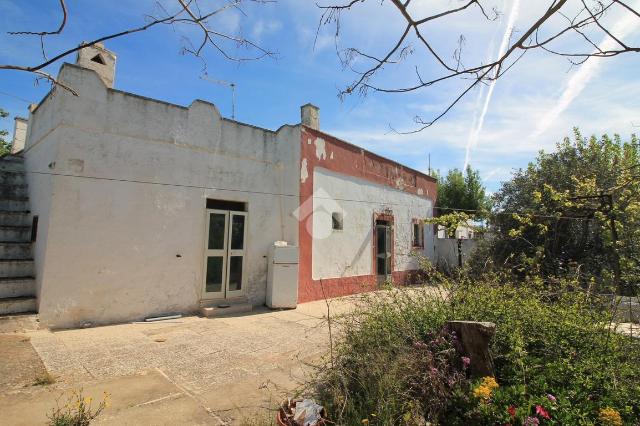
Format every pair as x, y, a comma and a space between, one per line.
556, 360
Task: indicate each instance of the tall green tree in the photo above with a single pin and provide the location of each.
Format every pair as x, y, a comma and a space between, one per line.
461, 200
575, 210
462, 191
5, 146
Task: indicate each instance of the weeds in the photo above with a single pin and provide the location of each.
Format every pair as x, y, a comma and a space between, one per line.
77, 411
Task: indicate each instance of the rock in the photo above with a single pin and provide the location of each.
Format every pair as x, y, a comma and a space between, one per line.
475, 338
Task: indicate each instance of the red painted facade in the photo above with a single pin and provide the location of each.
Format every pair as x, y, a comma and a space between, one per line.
350, 160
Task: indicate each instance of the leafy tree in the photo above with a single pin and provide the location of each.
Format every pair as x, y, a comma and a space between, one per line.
461, 200
458, 191
5, 146
576, 210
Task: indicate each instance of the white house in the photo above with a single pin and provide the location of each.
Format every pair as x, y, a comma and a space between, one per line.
137, 207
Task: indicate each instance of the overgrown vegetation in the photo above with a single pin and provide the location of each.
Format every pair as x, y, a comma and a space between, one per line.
557, 361
575, 211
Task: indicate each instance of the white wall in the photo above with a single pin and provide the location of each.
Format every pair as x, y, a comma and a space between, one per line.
447, 252
350, 252
19, 134
131, 179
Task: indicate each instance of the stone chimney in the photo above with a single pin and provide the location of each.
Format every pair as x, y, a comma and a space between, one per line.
310, 115
99, 59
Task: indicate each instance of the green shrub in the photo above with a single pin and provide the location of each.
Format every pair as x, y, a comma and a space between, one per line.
554, 353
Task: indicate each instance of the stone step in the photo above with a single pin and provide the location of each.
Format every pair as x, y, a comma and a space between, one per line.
19, 323
14, 218
12, 164
224, 309
10, 233
17, 287
17, 305
14, 190
14, 203
16, 268
12, 178
15, 250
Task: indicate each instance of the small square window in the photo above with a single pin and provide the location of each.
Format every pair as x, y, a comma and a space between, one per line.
336, 221
417, 236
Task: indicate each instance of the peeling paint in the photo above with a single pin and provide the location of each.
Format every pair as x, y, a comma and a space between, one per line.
331, 156
321, 152
420, 191
304, 173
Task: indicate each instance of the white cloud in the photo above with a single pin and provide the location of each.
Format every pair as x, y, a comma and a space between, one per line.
576, 84
264, 28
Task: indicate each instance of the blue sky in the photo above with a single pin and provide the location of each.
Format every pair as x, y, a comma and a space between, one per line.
530, 108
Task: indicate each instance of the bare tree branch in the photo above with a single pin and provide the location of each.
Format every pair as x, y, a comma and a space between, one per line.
63, 6
586, 24
189, 13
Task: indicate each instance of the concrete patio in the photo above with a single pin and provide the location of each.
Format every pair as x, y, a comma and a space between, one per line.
185, 371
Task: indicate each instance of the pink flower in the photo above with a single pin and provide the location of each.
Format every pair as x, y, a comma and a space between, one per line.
466, 361
551, 398
540, 411
511, 410
531, 421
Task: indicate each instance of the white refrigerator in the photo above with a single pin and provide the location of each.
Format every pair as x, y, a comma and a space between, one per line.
282, 276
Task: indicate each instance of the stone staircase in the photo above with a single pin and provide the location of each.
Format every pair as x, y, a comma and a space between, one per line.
17, 283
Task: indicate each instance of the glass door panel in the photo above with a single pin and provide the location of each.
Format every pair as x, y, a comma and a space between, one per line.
215, 254
215, 274
237, 231
217, 228
235, 273
384, 247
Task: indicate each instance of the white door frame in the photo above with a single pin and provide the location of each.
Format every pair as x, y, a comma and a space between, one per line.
225, 253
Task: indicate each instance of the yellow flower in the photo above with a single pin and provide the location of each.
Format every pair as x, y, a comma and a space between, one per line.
365, 421
485, 389
609, 417
490, 382
482, 392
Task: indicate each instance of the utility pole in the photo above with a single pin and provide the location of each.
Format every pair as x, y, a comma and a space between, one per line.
230, 85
